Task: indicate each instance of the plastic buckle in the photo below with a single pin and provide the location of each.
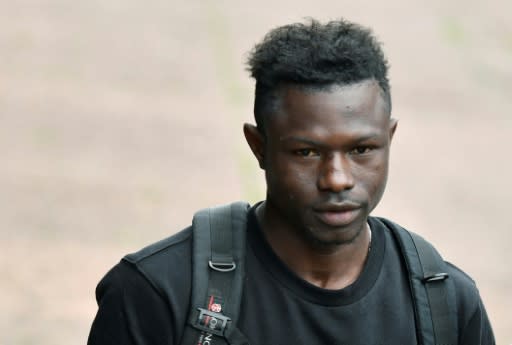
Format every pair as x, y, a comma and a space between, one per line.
211, 322
435, 277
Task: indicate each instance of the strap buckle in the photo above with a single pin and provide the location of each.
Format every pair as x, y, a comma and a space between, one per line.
222, 266
211, 322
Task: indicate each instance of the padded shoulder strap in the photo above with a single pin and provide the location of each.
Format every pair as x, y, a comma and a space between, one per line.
432, 291
218, 247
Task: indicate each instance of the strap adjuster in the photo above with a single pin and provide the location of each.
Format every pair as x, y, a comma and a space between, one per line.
211, 322
435, 277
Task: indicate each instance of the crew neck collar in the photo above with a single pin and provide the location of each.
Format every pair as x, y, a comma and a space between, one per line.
262, 250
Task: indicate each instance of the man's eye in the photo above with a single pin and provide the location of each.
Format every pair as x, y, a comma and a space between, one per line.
361, 150
306, 152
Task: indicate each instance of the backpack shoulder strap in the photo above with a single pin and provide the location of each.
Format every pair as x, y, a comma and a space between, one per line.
432, 291
218, 268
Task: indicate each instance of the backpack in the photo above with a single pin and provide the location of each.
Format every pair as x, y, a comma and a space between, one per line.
219, 267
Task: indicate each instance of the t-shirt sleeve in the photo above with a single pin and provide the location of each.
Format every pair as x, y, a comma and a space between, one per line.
478, 330
130, 311
473, 324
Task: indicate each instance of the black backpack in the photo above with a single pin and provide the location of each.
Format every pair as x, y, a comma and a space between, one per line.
219, 268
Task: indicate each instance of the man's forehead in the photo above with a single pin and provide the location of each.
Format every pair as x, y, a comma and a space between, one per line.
360, 96
352, 113
358, 99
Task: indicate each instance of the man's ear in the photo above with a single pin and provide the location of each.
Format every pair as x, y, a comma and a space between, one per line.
256, 143
393, 124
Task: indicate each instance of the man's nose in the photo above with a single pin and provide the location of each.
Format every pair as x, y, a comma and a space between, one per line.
335, 174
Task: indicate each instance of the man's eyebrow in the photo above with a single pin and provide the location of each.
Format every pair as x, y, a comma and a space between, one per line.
302, 140
368, 136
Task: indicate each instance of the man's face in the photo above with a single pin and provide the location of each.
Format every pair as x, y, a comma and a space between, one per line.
325, 156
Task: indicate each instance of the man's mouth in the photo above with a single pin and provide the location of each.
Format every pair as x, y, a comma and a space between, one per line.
337, 215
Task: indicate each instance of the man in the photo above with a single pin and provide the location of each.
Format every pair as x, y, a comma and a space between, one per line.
319, 269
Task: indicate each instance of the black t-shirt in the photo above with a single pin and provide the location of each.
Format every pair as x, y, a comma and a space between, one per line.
145, 299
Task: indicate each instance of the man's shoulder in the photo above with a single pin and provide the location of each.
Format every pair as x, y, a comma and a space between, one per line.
160, 250
165, 262
466, 291
467, 294
458, 274
145, 296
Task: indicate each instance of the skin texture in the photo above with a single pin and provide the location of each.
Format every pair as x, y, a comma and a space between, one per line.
325, 154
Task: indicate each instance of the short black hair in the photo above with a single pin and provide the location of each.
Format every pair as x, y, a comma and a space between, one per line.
314, 56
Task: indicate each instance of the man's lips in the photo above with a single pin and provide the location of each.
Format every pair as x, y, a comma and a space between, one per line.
340, 214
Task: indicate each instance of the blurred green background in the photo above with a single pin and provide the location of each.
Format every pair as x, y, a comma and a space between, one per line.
119, 119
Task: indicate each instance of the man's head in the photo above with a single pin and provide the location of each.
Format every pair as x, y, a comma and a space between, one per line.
314, 56
323, 128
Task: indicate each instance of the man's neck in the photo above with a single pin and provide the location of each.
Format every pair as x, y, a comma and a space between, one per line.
329, 267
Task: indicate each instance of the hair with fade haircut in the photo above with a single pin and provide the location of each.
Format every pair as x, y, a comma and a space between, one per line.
314, 56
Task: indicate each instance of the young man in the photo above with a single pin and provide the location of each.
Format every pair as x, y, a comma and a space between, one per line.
318, 268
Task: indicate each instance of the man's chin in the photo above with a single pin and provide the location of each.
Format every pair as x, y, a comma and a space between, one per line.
334, 237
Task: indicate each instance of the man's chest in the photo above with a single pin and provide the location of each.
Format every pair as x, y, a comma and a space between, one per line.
272, 313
